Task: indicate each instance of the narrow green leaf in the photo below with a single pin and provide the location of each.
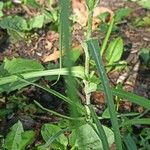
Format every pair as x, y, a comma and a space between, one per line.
130, 144
129, 96
77, 71
136, 122
57, 114
101, 132
93, 46
132, 97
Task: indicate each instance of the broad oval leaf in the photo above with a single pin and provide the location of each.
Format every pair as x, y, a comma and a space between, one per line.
144, 3
36, 22
17, 139
122, 13
15, 23
48, 130
20, 65
86, 138
114, 51
13, 138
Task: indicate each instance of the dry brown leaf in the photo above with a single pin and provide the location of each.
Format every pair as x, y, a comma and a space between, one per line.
56, 54
52, 56
80, 11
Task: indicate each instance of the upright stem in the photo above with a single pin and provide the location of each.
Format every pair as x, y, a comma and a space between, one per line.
89, 25
107, 37
87, 56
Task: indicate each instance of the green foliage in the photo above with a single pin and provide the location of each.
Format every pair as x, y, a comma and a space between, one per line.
48, 130
86, 138
143, 22
36, 22
145, 55
18, 66
145, 137
1, 7
32, 3
114, 51
101, 132
130, 143
103, 16
91, 4
94, 49
14, 23
17, 26
17, 138
144, 3
83, 127
121, 13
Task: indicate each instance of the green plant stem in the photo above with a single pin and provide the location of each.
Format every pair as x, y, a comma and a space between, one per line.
104, 44
57, 114
87, 56
89, 25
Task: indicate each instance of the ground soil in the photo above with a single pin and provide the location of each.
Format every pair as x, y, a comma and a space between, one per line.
44, 42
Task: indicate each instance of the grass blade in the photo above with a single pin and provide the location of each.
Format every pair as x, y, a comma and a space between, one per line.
129, 96
101, 132
59, 95
55, 113
77, 71
136, 122
130, 144
132, 97
65, 41
94, 49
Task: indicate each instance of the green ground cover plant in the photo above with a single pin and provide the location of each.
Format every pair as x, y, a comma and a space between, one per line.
84, 127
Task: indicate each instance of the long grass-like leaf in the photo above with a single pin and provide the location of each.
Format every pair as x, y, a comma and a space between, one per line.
101, 132
57, 94
77, 71
130, 143
132, 98
136, 122
65, 33
55, 113
94, 49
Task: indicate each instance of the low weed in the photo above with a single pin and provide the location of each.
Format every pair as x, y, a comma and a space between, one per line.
81, 128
